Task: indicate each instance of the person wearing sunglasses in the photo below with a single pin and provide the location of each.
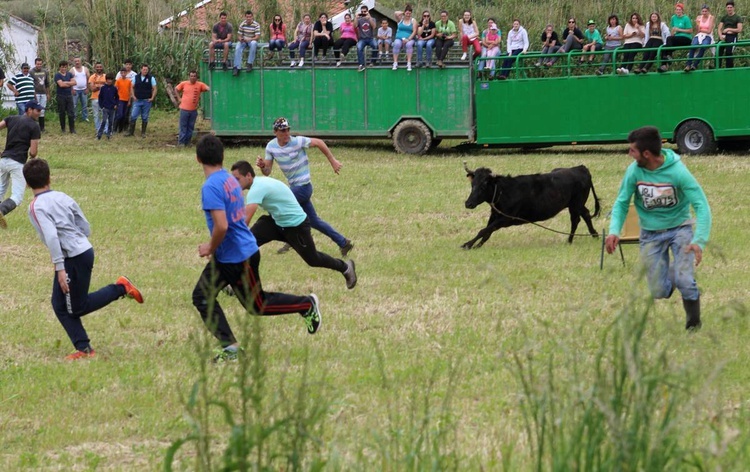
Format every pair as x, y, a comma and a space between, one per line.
425, 39
572, 39
278, 36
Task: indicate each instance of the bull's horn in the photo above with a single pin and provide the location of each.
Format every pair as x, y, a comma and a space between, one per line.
467, 169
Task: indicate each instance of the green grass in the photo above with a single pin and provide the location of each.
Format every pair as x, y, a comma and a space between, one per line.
415, 368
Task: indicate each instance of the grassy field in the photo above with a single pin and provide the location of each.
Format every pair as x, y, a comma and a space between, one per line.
420, 367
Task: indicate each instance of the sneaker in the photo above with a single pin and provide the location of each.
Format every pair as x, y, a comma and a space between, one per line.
663, 68
301, 62
78, 355
284, 249
408, 66
229, 353
235, 72
312, 317
395, 66
249, 68
361, 68
294, 63
338, 63
130, 290
463, 57
350, 274
625, 71
599, 72
224, 66
348, 246
211, 65
3, 223
687, 68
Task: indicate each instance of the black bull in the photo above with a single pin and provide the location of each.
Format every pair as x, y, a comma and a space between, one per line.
528, 198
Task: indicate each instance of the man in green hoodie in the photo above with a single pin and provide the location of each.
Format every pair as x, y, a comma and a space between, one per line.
664, 191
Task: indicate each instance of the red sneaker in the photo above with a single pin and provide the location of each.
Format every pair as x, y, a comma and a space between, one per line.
130, 290
78, 355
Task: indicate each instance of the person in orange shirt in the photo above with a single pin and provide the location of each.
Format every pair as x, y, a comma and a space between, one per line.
96, 81
123, 85
189, 92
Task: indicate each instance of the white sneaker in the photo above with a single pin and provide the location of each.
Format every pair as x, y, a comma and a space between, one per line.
338, 63
408, 66
294, 63
395, 66
301, 62
463, 58
625, 71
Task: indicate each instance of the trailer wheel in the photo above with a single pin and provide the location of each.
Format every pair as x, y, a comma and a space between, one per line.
695, 137
412, 137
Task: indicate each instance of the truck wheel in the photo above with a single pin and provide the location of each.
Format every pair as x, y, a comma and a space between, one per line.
695, 137
412, 137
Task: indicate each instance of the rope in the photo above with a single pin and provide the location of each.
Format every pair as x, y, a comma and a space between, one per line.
494, 208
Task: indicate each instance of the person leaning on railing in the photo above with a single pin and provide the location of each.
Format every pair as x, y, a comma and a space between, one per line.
730, 27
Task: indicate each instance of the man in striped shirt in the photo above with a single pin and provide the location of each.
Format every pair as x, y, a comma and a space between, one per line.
249, 32
22, 86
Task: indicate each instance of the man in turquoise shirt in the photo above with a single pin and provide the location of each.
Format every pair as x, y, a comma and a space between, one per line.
286, 220
664, 192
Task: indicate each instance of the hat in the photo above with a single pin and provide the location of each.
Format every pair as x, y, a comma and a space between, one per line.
34, 105
591, 22
493, 27
25, 65
280, 123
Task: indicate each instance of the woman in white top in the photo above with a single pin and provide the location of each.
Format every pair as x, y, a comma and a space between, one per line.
657, 33
632, 36
612, 41
518, 43
469, 35
705, 24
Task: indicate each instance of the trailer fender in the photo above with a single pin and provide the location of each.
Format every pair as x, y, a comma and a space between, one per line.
695, 136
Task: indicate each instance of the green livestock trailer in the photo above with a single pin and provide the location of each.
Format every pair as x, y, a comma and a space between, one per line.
536, 106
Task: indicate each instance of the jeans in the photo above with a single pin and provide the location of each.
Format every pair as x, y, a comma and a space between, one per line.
187, 125
107, 123
508, 63
244, 277
421, 44
442, 46
83, 98
41, 98
361, 44
276, 45
97, 112
239, 47
699, 53
70, 307
303, 194
303, 45
11, 173
663, 278
141, 107
21, 107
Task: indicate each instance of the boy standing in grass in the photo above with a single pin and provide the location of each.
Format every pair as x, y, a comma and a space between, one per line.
664, 191
63, 228
108, 101
234, 258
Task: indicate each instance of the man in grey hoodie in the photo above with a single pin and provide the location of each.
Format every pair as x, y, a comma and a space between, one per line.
63, 228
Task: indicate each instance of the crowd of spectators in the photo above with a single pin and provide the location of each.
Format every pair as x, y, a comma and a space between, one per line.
433, 38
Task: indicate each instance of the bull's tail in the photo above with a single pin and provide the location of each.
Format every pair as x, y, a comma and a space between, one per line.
597, 205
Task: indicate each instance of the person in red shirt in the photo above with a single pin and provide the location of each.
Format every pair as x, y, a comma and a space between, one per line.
189, 92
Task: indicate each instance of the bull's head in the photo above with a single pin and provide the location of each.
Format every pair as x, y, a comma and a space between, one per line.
481, 186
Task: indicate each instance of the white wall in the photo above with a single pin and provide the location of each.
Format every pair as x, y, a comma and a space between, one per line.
24, 39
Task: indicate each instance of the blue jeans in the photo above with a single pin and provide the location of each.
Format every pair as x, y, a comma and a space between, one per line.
21, 107
421, 43
107, 122
141, 107
699, 53
11, 173
663, 278
239, 47
83, 98
187, 125
97, 112
276, 45
70, 307
303, 194
302, 45
361, 45
508, 63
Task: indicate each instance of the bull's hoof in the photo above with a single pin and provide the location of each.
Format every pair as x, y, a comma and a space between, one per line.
466, 246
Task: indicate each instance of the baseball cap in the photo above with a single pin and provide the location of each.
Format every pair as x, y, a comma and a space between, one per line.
280, 123
33, 104
591, 22
493, 27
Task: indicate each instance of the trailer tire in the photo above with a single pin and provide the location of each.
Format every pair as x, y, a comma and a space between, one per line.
695, 137
412, 137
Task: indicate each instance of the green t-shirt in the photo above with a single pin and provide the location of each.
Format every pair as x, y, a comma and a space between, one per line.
731, 21
448, 29
276, 198
592, 37
682, 22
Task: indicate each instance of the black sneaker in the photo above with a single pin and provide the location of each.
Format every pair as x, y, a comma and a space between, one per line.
224, 66
211, 65
348, 246
312, 317
249, 68
350, 274
235, 72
